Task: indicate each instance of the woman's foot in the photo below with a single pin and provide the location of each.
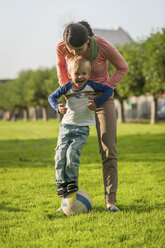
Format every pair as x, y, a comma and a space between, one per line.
111, 207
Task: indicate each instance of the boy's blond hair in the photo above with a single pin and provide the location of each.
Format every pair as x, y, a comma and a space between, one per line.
76, 61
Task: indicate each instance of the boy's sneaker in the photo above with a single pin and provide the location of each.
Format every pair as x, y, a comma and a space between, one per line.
72, 187
62, 190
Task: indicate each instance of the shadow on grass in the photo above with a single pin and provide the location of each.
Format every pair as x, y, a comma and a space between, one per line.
5, 207
56, 215
40, 153
98, 209
141, 208
27, 153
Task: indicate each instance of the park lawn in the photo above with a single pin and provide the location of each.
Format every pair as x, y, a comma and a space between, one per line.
28, 199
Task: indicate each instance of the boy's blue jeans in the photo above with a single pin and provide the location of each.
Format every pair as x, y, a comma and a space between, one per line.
70, 143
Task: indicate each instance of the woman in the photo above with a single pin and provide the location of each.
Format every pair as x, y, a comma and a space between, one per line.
78, 39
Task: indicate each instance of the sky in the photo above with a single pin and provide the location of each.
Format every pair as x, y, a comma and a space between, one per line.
30, 29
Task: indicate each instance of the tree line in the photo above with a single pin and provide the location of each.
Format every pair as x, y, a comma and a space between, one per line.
30, 89
146, 60
146, 75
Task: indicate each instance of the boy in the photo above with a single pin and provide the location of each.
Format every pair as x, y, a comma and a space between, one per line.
74, 128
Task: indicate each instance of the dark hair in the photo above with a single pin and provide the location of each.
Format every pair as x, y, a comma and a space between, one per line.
75, 34
88, 27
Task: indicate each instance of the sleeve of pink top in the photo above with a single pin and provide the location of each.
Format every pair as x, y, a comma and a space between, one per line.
61, 66
115, 58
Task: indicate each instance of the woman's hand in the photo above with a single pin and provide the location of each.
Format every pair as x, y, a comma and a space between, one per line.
66, 96
62, 109
92, 105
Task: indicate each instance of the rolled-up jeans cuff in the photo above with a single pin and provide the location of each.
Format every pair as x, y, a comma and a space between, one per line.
111, 198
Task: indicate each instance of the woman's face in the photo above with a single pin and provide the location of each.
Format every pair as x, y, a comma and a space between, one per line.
78, 50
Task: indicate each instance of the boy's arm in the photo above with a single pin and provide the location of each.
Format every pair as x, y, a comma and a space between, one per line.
107, 92
60, 91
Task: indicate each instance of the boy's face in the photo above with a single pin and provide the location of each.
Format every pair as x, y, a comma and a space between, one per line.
79, 76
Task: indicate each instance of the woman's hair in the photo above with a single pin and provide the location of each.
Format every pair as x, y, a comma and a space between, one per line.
76, 34
76, 61
88, 27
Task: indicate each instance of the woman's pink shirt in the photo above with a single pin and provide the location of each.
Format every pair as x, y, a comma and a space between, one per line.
99, 67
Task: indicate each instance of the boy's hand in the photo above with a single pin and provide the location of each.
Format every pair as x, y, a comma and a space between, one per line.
92, 105
62, 108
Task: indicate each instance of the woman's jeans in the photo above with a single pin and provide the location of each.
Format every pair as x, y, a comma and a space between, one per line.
106, 131
70, 143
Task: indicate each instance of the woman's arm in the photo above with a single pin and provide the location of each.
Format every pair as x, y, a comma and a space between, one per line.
112, 54
61, 64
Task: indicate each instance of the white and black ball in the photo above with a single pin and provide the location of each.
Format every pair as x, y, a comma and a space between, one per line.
76, 203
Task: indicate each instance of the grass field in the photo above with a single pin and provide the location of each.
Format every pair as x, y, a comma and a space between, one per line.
28, 199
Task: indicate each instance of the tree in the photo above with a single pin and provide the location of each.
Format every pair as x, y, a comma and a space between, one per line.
7, 96
154, 68
41, 84
20, 92
133, 82
3, 98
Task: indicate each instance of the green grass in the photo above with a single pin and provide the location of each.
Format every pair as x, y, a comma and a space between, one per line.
28, 199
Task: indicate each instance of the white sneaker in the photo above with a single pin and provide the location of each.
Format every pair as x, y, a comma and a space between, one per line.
113, 208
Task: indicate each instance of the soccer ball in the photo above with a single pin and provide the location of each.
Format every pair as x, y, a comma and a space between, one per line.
76, 203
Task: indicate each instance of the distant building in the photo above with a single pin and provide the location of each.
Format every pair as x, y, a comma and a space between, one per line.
115, 35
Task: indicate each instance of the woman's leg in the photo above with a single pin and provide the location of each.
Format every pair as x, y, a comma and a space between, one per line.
106, 131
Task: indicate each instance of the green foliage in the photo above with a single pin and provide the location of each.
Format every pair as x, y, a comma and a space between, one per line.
21, 88
3, 99
31, 88
28, 198
7, 95
146, 61
154, 63
133, 82
41, 84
